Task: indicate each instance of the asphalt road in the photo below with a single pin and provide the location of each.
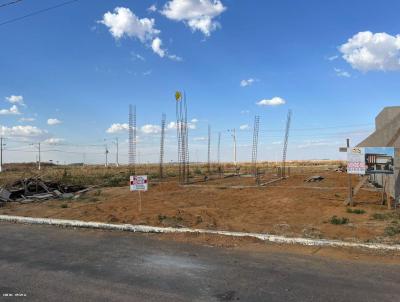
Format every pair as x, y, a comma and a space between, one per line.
51, 264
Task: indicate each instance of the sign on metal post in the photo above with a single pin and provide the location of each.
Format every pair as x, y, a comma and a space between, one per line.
139, 183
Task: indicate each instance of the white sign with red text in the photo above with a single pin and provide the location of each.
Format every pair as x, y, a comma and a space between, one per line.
356, 161
139, 183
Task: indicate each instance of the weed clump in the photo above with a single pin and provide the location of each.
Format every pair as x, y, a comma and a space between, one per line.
355, 211
392, 230
64, 206
386, 216
339, 220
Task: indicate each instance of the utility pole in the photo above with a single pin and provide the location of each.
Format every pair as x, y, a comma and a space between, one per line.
106, 152
209, 150
117, 160
233, 133
39, 157
219, 149
1, 154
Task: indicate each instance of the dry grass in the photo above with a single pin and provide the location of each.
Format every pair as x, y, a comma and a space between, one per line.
118, 176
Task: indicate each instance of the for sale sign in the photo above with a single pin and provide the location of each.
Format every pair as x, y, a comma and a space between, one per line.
139, 183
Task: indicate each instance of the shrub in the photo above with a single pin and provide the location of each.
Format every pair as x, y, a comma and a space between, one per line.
379, 216
338, 221
64, 206
197, 171
355, 211
116, 181
392, 230
386, 216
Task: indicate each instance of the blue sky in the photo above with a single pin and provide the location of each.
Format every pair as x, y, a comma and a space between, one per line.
81, 69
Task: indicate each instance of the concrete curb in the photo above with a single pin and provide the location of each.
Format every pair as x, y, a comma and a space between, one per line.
151, 229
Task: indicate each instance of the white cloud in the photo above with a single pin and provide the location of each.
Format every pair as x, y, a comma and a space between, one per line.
123, 22
27, 119
245, 112
194, 120
152, 8
342, 73
317, 143
200, 139
275, 101
175, 58
192, 126
150, 129
248, 82
21, 131
367, 51
197, 14
172, 125
333, 58
54, 140
156, 46
147, 73
53, 121
244, 127
12, 111
117, 127
136, 56
15, 99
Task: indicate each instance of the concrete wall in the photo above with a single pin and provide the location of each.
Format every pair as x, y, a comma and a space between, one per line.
387, 134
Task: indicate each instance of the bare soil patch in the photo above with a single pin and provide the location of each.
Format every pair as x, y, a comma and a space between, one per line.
290, 207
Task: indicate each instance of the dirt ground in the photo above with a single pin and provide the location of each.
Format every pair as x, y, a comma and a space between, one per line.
289, 207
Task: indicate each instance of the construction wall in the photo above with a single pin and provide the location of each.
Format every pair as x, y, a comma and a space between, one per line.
387, 134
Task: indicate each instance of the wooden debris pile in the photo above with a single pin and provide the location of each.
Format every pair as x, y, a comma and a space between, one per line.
34, 189
315, 178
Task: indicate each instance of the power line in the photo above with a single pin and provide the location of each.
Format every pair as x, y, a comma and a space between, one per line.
304, 129
10, 3
40, 11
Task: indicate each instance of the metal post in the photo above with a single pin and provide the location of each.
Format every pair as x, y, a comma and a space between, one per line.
285, 144
163, 121
349, 176
255, 144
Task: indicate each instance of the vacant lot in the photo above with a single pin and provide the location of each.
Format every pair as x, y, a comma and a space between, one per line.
289, 207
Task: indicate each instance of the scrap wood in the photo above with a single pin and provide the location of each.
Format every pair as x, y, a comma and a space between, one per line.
34, 189
362, 181
271, 181
314, 178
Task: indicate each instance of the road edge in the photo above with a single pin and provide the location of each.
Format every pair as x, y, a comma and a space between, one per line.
152, 229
